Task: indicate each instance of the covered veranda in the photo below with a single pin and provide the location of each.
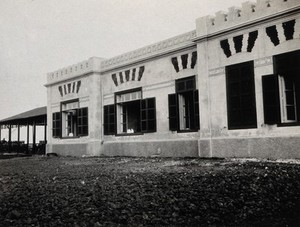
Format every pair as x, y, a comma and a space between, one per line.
30, 120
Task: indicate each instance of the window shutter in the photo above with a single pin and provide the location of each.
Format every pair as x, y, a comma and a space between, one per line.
196, 109
82, 122
109, 120
56, 124
271, 99
148, 115
173, 112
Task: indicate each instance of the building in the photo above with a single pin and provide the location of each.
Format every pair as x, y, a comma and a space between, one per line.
230, 88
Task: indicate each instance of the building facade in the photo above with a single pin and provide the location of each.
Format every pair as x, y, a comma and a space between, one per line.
230, 88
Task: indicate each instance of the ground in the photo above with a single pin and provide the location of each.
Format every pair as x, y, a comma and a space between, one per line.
120, 191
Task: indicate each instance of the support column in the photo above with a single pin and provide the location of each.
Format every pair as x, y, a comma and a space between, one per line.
33, 137
0, 132
27, 137
19, 147
9, 138
45, 130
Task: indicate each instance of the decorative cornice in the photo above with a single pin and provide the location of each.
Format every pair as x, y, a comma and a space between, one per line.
149, 51
236, 19
92, 65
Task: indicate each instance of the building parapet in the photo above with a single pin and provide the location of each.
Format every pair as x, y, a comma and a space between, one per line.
89, 66
236, 17
149, 51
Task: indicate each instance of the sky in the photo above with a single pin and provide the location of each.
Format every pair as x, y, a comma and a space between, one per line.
41, 36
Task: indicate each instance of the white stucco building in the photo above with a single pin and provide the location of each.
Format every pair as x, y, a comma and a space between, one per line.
230, 88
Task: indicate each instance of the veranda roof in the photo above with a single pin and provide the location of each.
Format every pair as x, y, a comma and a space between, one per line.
28, 116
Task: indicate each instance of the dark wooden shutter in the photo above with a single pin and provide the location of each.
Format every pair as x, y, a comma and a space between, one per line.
82, 122
173, 112
56, 124
271, 99
148, 115
196, 109
109, 120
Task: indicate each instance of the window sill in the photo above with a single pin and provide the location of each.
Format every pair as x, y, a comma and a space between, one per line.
130, 134
242, 128
69, 137
187, 130
288, 124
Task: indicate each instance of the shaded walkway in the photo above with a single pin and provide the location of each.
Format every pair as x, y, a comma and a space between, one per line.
34, 118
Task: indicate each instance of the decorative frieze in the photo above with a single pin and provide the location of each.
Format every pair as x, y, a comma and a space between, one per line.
237, 16
149, 50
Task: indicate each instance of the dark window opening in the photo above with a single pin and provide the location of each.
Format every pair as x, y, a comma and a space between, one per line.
241, 107
130, 115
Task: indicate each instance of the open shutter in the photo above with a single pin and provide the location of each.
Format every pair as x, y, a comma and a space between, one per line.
109, 120
271, 99
173, 112
148, 115
56, 124
196, 109
82, 122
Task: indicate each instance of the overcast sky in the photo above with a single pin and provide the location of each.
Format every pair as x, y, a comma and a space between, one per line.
41, 36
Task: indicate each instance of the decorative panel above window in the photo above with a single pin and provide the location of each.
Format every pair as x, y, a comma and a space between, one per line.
283, 32
185, 61
134, 74
238, 44
69, 88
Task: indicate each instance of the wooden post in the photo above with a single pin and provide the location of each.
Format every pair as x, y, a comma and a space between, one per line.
19, 147
0, 132
45, 130
33, 137
27, 137
9, 138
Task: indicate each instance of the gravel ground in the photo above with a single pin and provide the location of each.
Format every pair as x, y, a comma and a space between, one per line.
122, 191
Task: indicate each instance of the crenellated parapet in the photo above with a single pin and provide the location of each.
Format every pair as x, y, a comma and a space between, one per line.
248, 13
149, 51
89, 66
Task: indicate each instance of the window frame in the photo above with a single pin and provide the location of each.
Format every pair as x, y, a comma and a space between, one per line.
181, 90
293, 70
78, 111
117, 105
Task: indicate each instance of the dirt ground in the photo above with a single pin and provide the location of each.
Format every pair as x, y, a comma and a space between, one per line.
123, 191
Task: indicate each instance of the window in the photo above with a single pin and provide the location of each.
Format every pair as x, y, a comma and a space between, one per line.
184, 106
56, 127
130, 115
241, 107
71, 121
281, 91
